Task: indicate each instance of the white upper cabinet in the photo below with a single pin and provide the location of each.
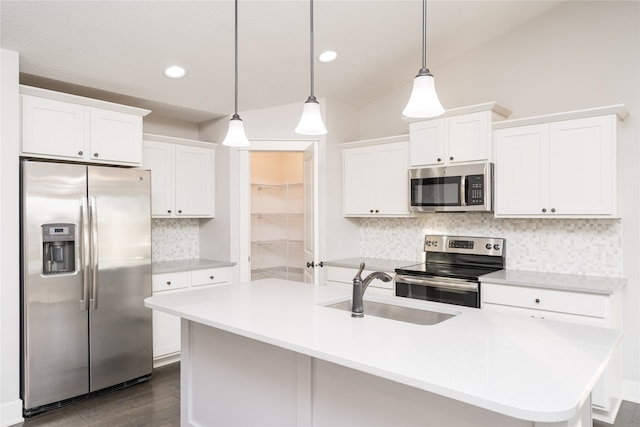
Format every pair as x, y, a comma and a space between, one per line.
182, 177
67, 127
194, 180
563, 166
460, 135
375, 177
115, 137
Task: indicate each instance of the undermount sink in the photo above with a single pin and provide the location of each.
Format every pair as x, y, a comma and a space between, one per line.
396, 312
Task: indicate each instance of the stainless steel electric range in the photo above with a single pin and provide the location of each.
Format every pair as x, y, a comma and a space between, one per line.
451, 269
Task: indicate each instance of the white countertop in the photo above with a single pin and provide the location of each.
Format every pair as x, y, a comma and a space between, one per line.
532, 369
162, 267
563, 282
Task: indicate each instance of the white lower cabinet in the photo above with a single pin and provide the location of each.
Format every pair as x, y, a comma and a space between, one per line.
593, 309
166, 327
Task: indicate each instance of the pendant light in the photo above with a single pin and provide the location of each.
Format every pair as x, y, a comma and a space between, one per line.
311, 120
235, 135
423, 101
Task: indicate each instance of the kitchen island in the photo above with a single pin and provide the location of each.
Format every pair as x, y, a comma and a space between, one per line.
270, 353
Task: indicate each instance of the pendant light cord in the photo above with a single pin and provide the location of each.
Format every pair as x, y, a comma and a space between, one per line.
311, 46
424, 34
236, 71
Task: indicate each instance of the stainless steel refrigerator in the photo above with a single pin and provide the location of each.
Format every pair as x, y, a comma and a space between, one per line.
86, 270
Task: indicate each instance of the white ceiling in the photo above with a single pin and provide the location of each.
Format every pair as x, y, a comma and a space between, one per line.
119, 48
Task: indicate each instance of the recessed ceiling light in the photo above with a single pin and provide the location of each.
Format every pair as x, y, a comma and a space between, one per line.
175, 72
328, 56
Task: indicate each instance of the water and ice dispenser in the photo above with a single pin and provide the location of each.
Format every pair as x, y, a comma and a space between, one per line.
58, 248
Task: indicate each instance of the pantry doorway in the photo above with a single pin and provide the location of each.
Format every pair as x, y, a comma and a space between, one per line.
279, 222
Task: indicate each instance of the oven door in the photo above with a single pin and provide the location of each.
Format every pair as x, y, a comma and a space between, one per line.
439, 289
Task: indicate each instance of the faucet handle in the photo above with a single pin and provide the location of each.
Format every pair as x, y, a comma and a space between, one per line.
358, 275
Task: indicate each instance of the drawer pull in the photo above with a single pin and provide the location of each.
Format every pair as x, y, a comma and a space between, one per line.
537, 300
169, 282
211, 277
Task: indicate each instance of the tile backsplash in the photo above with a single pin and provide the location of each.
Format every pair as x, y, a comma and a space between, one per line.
573, 246
173, 239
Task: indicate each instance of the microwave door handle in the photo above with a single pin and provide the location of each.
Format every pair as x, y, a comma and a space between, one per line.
463, 191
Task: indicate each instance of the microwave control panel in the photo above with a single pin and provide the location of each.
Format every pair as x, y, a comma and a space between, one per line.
475, 190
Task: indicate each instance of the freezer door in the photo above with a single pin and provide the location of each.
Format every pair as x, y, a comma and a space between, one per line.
54, 322
120, 325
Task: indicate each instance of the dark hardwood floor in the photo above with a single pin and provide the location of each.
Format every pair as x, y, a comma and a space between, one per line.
628, 416
156, 403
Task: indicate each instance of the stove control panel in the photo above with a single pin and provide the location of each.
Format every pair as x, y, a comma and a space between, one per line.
458, 244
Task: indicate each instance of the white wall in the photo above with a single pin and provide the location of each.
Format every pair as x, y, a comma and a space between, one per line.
583, 54
216, 234
10, 403
168, 126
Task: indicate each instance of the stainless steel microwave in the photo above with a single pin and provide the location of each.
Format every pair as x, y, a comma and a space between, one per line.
457, 188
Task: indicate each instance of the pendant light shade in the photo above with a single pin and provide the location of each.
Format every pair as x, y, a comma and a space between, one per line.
235, 135
423, 101
311, 120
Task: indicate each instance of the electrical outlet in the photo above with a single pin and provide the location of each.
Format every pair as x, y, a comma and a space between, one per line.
544, 243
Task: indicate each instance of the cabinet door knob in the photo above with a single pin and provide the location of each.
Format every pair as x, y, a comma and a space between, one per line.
377, 211
537, 300
451, 158
179, 210
169, 211
439, 159
309, 264
95, 154
211, 277
544, 210
370, 210
553, 209
80, 153
169, 282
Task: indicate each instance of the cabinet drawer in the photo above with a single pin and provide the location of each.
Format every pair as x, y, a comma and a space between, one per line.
209, 276
345, 275
545, 299
170, 281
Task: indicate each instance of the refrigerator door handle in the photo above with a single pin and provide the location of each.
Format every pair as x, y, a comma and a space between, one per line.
84, 252
94, 253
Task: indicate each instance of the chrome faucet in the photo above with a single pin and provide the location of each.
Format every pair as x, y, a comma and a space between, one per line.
360, 285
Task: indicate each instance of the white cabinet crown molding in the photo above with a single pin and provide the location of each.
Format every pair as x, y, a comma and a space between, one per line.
176, 140
81, 100
619, 109
375, 141
492, 106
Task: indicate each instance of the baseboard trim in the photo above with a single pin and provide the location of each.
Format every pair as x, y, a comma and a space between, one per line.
166, 360
11, 413
631, 391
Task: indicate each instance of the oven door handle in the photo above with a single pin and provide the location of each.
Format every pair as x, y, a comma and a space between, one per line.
471, 287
